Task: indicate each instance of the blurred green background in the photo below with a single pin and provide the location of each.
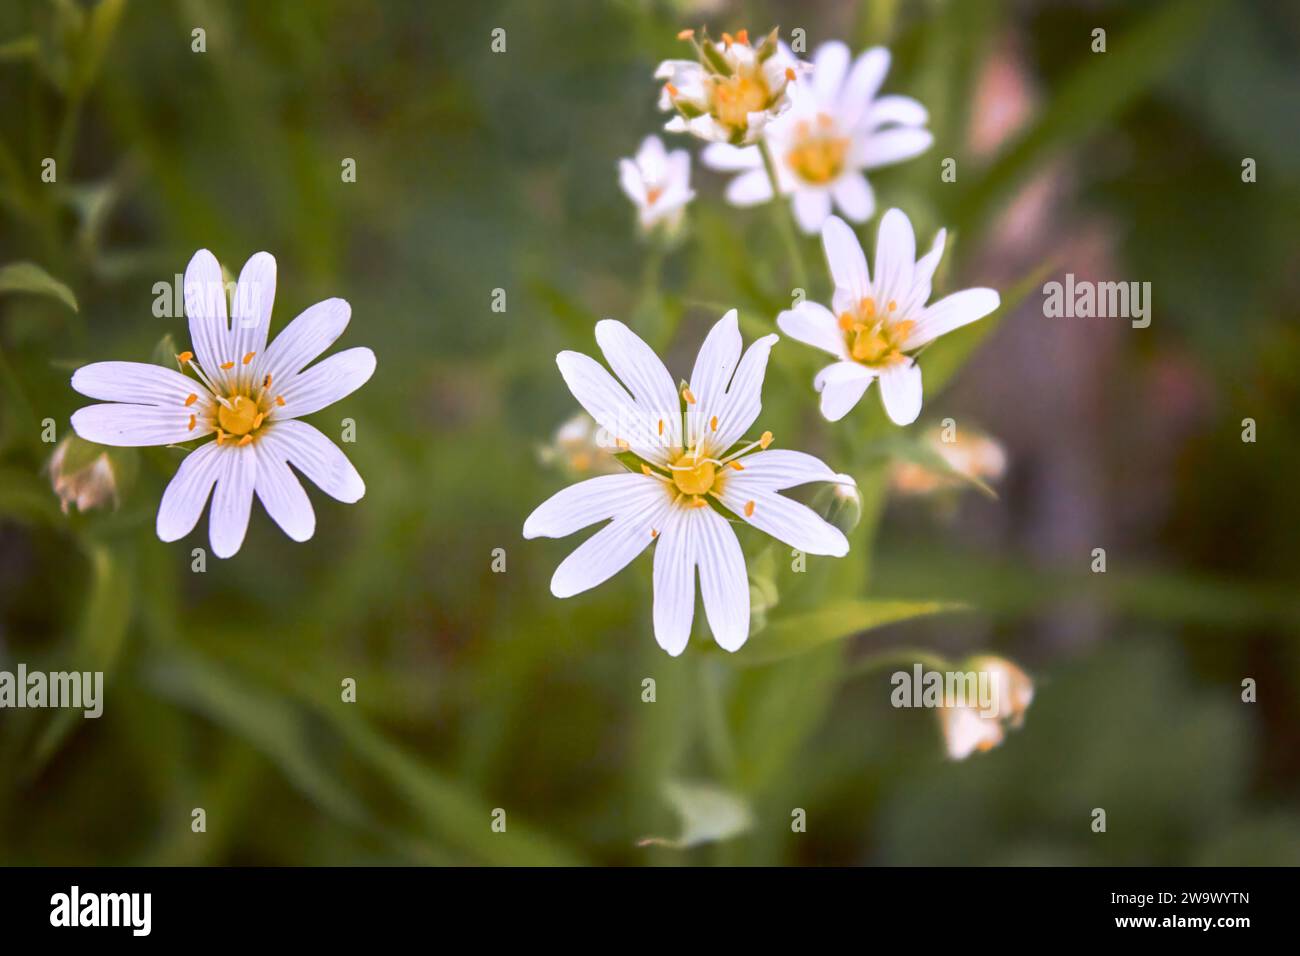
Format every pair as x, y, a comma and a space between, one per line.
477, 690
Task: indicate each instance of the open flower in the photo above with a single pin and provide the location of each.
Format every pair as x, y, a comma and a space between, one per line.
877, 323
969, 728
835, 129
731, 91
249, 394
693, 463
658, 183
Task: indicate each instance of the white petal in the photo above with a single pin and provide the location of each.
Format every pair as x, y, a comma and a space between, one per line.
895, 145
864, 81
784, 519
129, 426
250, 310
679, 173
813, 324
923, 276
965, 731
902, 110
727, 158
306, 337
304, 447
811, 207
137, 383
233, 500
841, 386
608, 402
724, 584
830, 63
674, 583
629, 178
641, 371
848, 264
714, 367
900, 390
779, 468
853, 195
749, 189
952, 312
606, 552
651, 157
182, 503
743, 401
325, 383
282, 494
596, 499
895, 259
205, 307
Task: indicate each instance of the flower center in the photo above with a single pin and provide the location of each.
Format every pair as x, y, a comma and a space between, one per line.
818, 154
240, 417
738, 95
693, 477
873, 338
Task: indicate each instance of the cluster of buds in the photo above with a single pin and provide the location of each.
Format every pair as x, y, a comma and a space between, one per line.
731, 91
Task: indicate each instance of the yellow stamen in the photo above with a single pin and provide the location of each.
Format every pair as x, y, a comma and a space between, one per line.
193, 419
742, 36
846, 322
645, 470
765, 440
266, 382
736, 465
686, 34
245, 440
689, 396
749, 509
185, 357
789, 74
191, 400
671, 90
257, 422
221, 436
698, 503
624, 446
661, 426
693, 477
249, 357
727, 39
279, 399
713, 423
868, 307
226, 366
654, 532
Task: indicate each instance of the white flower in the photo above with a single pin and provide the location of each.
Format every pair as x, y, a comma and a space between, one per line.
82, 475
968, 728
731, 91
692, 455
248, 393
878, 321
835, 129
658, 183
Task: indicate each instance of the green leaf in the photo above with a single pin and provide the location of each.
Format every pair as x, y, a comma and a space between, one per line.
708, 813
21, 48
96, 40
836, 621
29, 277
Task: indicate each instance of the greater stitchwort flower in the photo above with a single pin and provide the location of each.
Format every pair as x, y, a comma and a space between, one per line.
694, 471
835, 129
731, 91
968, 729
658, 183
249, 394
879, 322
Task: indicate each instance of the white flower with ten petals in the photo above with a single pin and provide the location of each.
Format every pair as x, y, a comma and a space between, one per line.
658, 183
692, 456
879, 321
732, 91
835, 129
248, 394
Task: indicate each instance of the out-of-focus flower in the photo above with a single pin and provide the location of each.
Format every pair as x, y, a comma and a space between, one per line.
971, 727
970, 455
82, 475
658, 183
877, 322
581, 447
248, 393
692, 455
835, 129
731, 91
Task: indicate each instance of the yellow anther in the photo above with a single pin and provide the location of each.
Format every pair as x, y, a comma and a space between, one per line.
221, 436
892, 305
654, 532
245, 440
671, 90
266, 382
623, 446
698, 503
249, 357
645, 470
279, 399
185, 357
686, 34
868, 307
742, 36
846, 321
736, 465
661, 426
193, 419
713, 423
226, 366
727, 39
749, 509
257, 422
191, 400
789, 74
765, 440
689, 396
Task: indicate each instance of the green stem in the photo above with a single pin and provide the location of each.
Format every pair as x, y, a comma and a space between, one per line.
713, 714
785, 219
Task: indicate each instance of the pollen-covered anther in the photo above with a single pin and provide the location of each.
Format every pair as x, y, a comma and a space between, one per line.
279, 400
661, 426
645, 470
736, 465
193, 421
623, 446
846, 322
698, 503
191, 399
789, 74
689, 396
185, 358
749, 509
249, 357
742, 36
728, 39
713, 423
654, 532
893, 306
765, 440
227, 366
686, 34
671, 90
